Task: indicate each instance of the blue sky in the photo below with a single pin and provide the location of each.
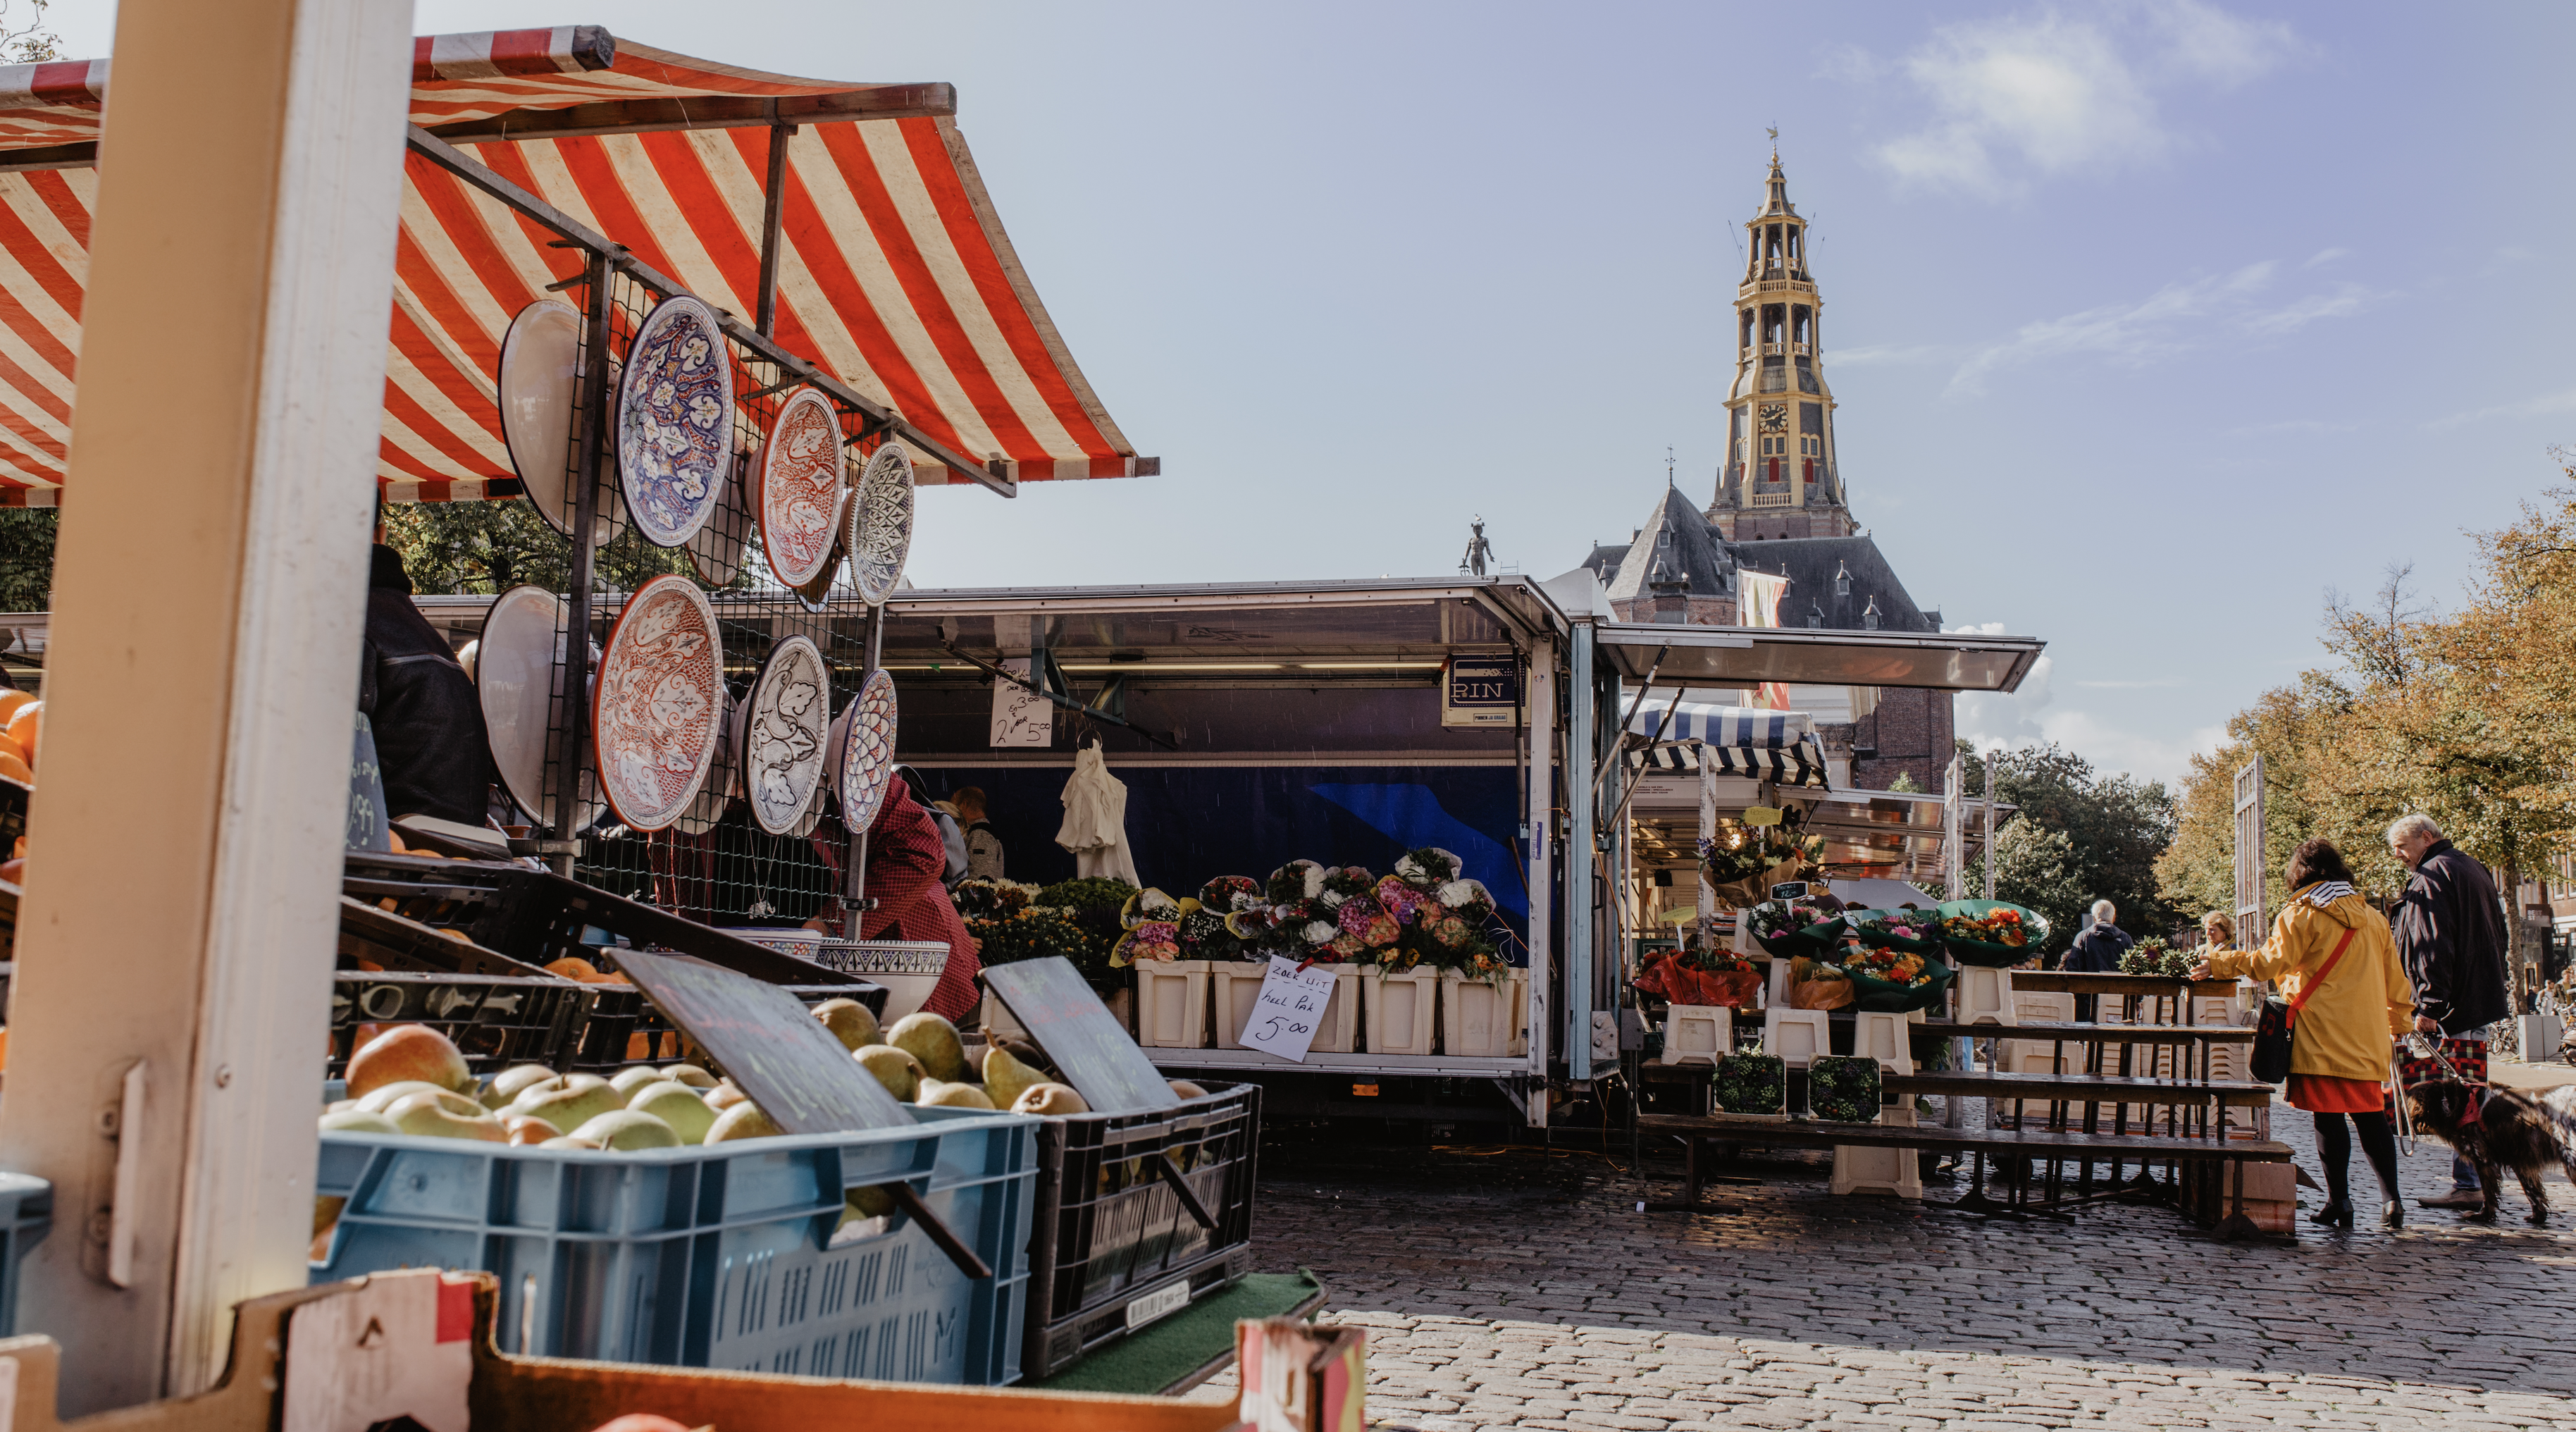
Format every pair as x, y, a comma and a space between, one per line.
2150, 322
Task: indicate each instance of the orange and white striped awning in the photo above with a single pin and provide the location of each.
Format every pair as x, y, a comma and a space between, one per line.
894, 273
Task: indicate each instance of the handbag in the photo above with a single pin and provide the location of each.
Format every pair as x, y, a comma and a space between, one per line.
2278, 1029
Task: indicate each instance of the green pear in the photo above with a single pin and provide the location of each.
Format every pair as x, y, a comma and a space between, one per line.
677, 1105
358, 1121
629, 1129
742, 1121
633, 1077
851, 1022
940, 1094
933, 1041
378, 1100
506, 1086
1046, 1099
895, 1069
689, 1074
1005, 1076
570, 1108
424, 1116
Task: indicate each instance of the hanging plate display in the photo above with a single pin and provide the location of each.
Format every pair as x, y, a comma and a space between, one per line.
785, 722
716, 552
537, 387
518, 675
867, 758
659, 711
674, 421
716, 795
800, 487
880, 524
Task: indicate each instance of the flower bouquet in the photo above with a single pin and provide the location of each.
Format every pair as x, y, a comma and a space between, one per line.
986, 899
1714, 978
1894, 981
1814, 984
1147, 940
2152, 956
1152, 905
1787, 928
1030, 933
1916, 930
1428, 868
1093, 903
1842, 1089
1992, 933
1204, 935
1744, 862
1751, 1082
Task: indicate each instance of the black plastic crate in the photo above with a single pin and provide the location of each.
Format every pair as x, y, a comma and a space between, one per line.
620, 1016
1113, 1232
497, 1020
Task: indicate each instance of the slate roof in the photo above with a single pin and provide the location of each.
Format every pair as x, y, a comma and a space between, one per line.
1811, 563
1677, 543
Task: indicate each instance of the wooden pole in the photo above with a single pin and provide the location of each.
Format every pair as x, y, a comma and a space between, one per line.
774, 196
174, 949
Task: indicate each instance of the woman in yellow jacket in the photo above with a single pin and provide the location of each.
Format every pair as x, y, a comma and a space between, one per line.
2339, 1059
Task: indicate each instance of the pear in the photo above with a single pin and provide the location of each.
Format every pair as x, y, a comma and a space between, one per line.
725, 1095
340, 1106
677, 1105
939, 1094
874, 1202
506, 1086
1046, 1099
628, 1129
851, 1022
742, 1121
633, 1077
689, 1074
1184, 1089
933, 1041
378, 1100
529, 1129
894, 1068
358, 1121
1005, 1076
405, 1052
424, 1116
569, 1142
570, 1108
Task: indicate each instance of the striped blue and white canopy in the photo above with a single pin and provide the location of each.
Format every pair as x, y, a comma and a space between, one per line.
1747, 741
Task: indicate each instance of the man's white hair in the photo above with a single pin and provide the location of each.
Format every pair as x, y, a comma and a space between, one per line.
2411, 825
2105, 913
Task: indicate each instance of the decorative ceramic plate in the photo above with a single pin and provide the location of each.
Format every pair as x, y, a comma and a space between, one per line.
675, 420
537, 387
659, 712
880, 524
867, 761
800, 486
716, 552
816, 595
518, 674
716, 795
788, 716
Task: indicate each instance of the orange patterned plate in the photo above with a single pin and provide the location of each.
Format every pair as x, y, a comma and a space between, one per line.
659, 711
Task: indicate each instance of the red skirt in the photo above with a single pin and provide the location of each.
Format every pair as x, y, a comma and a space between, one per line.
2325, 1094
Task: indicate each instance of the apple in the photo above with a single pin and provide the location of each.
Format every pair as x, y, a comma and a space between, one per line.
569, 1108
569, 1142
384, 1098
510, 1083
358, 1121
689, 1074
423, 1116
742, 1121
725, 1095
408, 1051
633, 1077
529, 1129
627, 1129
677, 1105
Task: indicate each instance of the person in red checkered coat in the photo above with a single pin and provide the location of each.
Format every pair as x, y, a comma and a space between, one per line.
906, 858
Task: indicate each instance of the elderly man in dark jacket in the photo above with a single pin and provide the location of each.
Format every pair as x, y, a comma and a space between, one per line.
2097, 951
2450, 934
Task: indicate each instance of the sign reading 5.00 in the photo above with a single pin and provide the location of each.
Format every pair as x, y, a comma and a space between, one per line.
1481, 691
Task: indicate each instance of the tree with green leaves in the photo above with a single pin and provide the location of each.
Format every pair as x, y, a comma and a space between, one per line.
489, 547
26, 559
2113, 829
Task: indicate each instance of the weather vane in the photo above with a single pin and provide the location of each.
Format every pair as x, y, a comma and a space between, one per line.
1668, 467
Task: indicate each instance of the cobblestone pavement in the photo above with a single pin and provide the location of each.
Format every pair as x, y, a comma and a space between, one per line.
1521, 1288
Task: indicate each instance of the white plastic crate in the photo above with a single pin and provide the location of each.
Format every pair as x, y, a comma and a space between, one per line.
1485, 1020
1401, 1010
1234, 988
1796, 1035
1698, 1033
2040, 1006
1985, 996
1886, 1038
1171, 1004
1338, 1033
1869, 1168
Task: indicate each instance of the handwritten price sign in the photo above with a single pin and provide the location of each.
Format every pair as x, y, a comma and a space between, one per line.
1290, 1010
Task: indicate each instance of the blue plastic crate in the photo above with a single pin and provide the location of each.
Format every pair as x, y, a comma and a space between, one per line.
26, 1215
721, 1257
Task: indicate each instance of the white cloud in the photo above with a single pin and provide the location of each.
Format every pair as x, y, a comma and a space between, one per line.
2347, 300
2326, 256
2156, 685
2030, 717
2526, 408
2053, 94
2174, 319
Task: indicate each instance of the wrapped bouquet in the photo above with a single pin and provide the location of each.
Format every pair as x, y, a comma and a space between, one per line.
1703, 977
1893, 981
1916, 930
1787, 928
1992, 933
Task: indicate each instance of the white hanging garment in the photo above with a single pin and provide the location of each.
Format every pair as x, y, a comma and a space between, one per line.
1095, 819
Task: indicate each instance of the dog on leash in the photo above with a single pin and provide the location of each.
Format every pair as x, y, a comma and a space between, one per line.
2508, 1129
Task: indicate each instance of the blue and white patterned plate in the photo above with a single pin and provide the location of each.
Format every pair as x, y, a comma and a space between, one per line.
867, 761
675, 421
879, 532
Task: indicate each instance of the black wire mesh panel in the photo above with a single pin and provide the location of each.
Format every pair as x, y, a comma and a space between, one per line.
715, 864
495, 1021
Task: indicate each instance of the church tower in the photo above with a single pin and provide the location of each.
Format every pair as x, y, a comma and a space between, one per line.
1781, 477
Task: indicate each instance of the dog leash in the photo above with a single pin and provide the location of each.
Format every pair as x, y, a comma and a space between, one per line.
2397, 1097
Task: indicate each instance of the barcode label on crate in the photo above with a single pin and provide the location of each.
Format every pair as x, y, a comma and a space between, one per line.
1161, 1302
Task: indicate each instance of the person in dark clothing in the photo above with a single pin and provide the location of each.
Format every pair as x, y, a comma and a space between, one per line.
428, 722
2451, 938
2097, 951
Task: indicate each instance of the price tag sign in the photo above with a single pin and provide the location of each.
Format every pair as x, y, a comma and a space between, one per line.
1290, 1010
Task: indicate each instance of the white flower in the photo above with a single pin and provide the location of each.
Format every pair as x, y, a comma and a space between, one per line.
1332, 900
1320, 932
1314, 881
1459, 893
1409, 868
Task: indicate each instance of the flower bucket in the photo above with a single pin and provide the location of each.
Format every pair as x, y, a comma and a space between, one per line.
1171, 1004
1234, 990
1402, 1009
1484, 1019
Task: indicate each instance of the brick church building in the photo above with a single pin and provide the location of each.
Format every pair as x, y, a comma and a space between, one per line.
1778, 545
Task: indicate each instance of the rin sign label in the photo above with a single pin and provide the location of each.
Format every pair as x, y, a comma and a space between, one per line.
1481, 691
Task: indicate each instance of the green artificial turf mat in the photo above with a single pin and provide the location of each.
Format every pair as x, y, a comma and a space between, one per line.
1163, 1353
